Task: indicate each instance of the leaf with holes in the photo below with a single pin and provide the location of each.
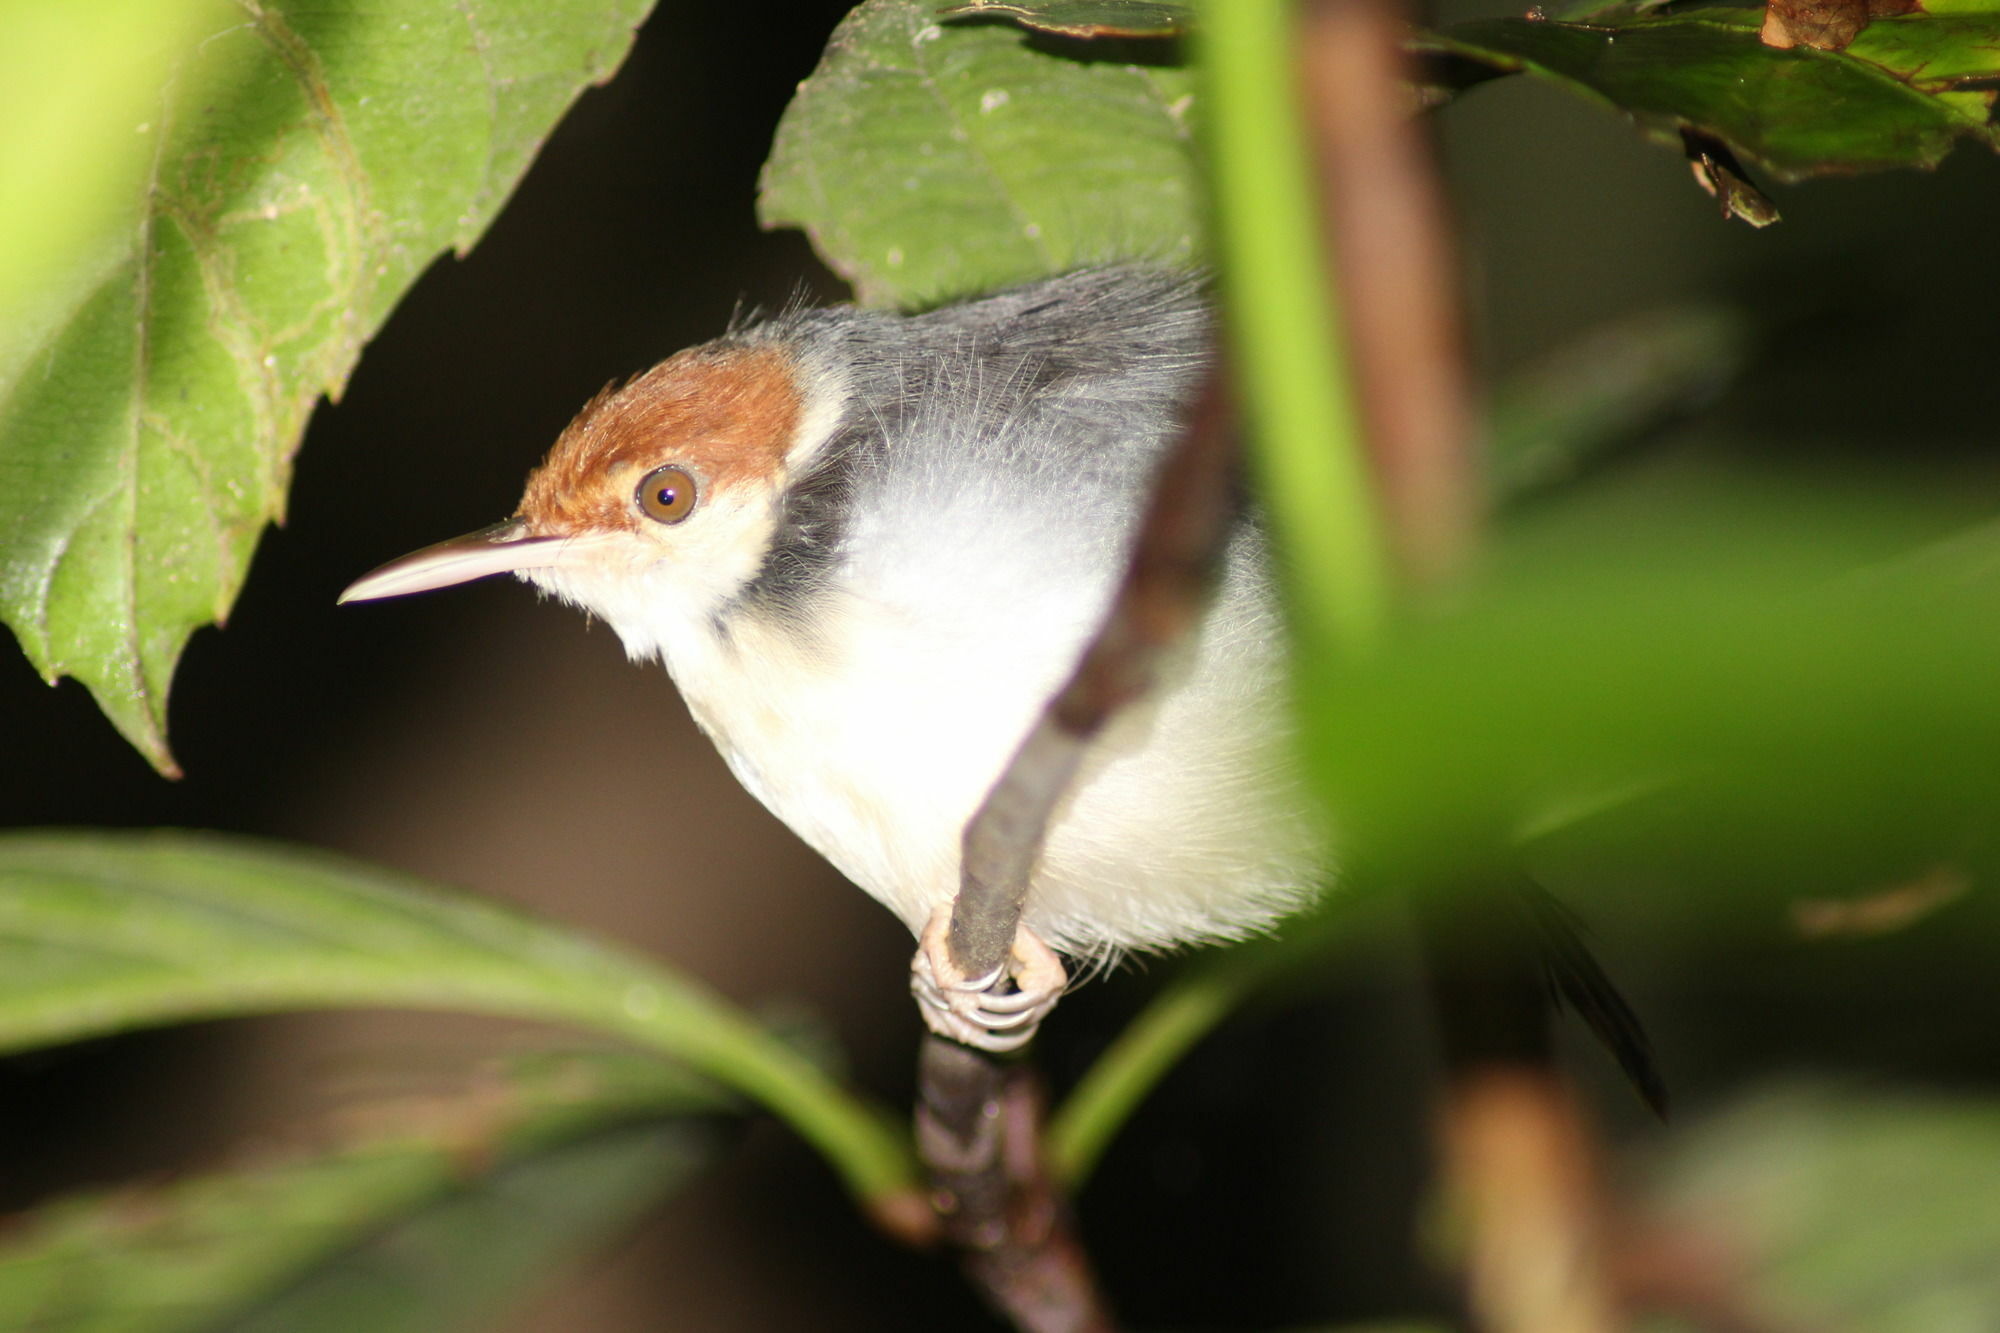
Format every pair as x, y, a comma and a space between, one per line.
310, 160
433, 1217
928, 160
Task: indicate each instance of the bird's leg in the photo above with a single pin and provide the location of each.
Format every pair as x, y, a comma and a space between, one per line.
996, 1012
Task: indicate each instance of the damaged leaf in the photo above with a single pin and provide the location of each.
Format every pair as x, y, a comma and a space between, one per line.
1903, 92
1828, 25
1717, 172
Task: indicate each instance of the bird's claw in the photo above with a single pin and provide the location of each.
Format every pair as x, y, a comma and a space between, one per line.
997, 1012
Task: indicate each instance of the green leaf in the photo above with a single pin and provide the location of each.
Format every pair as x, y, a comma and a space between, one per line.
434, 1219
101, 932
1284, 338
309, 161
1902, 95
1770, 654
1870, 1212
1085, 18
929, 160
78, 84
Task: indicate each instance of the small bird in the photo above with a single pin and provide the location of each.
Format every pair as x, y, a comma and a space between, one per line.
869, 547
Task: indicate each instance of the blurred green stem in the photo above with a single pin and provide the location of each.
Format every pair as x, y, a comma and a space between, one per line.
1289, 354
1187, 1009
1150, 1045
1290, 362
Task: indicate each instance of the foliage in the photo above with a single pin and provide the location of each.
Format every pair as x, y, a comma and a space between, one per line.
434, 1216
1862, 1208
1902, 94
308, 161
108, 931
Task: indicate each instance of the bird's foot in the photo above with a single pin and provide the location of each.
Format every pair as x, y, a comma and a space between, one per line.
997, 1012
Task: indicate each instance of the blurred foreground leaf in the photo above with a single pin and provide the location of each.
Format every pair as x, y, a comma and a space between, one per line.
430, 1221
1561, 418
1773, 655
930, 159
306, 161
101, 932
1903, 94
1869, 1212
79, 82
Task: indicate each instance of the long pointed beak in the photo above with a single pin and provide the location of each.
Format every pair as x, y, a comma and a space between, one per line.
501, 549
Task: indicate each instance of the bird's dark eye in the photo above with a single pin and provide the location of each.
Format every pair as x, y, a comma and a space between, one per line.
667, 494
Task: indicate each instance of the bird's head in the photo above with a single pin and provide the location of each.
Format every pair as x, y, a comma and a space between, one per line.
659, 503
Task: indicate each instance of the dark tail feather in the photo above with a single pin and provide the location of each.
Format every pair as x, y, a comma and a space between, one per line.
1575, 977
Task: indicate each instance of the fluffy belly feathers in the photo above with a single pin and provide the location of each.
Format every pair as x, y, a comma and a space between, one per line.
1185, 824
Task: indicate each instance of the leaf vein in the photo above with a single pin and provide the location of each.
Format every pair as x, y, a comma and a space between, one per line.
927, 79
330, 127
482, 47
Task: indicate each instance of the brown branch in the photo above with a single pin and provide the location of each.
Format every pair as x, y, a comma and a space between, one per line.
979, 1117
1518, 1159
1522, 1170
1518, 1155
979, 1130
1390, 238
1164, 592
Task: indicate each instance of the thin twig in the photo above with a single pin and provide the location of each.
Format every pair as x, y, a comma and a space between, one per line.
1164, 592
1521, 1166
980, 1118
1299, 399
1397, 269
1518, 1152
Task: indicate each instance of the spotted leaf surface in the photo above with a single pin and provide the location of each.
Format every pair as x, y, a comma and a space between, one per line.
927, 158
